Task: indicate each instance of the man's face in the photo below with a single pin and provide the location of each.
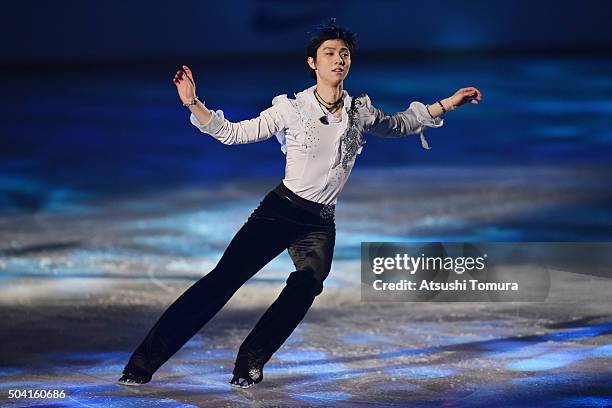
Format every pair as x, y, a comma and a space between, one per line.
333, 61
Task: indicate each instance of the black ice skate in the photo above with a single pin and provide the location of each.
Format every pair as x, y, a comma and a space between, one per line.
130, 378
247, 372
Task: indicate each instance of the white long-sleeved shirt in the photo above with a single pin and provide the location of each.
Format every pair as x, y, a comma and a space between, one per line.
320, 156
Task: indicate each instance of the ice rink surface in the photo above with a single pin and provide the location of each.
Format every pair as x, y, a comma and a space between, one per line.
80, 289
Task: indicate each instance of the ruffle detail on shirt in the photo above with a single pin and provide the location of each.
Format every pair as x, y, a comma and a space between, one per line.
292, 115
213, 126
425, 120
280, 135
279, 98
365, 112
361, 108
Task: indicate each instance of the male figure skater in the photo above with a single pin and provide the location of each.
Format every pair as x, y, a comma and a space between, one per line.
321, 132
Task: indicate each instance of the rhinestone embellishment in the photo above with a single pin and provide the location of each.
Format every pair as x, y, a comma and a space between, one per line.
327, 212
352, 138
254, 373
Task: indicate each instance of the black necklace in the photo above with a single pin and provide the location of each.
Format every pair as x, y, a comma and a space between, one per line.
331, 107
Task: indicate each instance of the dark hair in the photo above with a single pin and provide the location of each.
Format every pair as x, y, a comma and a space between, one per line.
324, 32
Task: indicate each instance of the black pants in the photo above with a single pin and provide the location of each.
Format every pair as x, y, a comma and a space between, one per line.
282, 221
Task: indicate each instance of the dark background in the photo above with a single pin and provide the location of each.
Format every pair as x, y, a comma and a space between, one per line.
89, 109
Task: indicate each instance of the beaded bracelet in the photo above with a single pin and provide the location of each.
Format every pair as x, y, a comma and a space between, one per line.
193, 102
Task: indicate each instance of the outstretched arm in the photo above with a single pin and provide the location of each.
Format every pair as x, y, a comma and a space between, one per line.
418, 116
269, 122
